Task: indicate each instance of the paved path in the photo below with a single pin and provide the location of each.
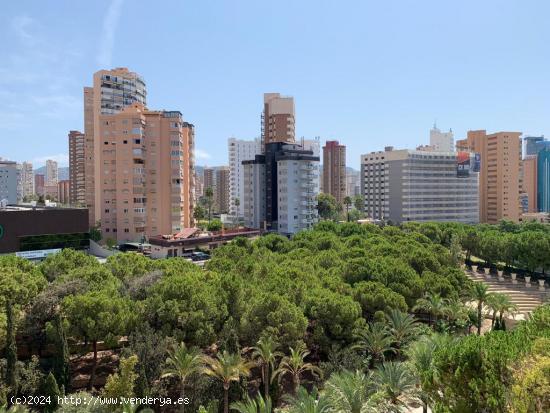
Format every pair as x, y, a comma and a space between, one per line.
525, 297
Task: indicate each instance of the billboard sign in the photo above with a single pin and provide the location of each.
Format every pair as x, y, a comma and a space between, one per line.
477, 162
463, 164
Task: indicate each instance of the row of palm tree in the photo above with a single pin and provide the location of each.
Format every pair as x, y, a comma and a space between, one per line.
389, 388
183, 362
498, 304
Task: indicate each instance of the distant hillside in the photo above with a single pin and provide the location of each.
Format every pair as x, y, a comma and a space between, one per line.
63, 172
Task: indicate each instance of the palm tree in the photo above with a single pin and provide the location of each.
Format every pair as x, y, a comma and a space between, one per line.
479, 292
376, 341
403, 328
295, 366
183, 363
303, 402
433, 304
420, 356
257, 405
395, 383
347, 203
265, 353
501, 305
455, 312
227, 368
347, 391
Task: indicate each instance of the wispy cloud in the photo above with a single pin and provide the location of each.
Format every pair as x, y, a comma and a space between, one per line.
21, 25
110, 23
200, 154
62, 159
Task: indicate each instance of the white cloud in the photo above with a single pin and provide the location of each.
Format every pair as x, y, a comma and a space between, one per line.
200, 154
62, 159
110, 23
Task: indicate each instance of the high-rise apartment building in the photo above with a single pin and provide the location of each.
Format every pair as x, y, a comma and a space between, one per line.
411, 185
530, 182
112, 90
77, 171
281, 184
8, 181
52, 176
239, 151
442, 141
146, 186
39, 184
543, 180
26, 179
221, 190
208, 180
500, 175
278, 119
334, 170
281, 188
138, 163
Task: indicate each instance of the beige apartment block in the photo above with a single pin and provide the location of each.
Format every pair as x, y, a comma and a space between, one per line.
138, 163
146, 183
500, 175
278, 119
334, 170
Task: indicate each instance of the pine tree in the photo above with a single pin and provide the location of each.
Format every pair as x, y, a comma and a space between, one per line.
50, 390
11, 350
61, 360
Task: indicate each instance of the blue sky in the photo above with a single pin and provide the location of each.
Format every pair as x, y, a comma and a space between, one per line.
369, 73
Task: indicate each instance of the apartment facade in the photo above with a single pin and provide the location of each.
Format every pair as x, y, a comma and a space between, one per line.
146, 187
500, 183
52, 176
208, 180
278, 119
26, 179
411, 185
63, 191
222, 190
254, 199
8, 181
239, 150
530, 182
543, 180
39, 184
334, 170
77, 171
